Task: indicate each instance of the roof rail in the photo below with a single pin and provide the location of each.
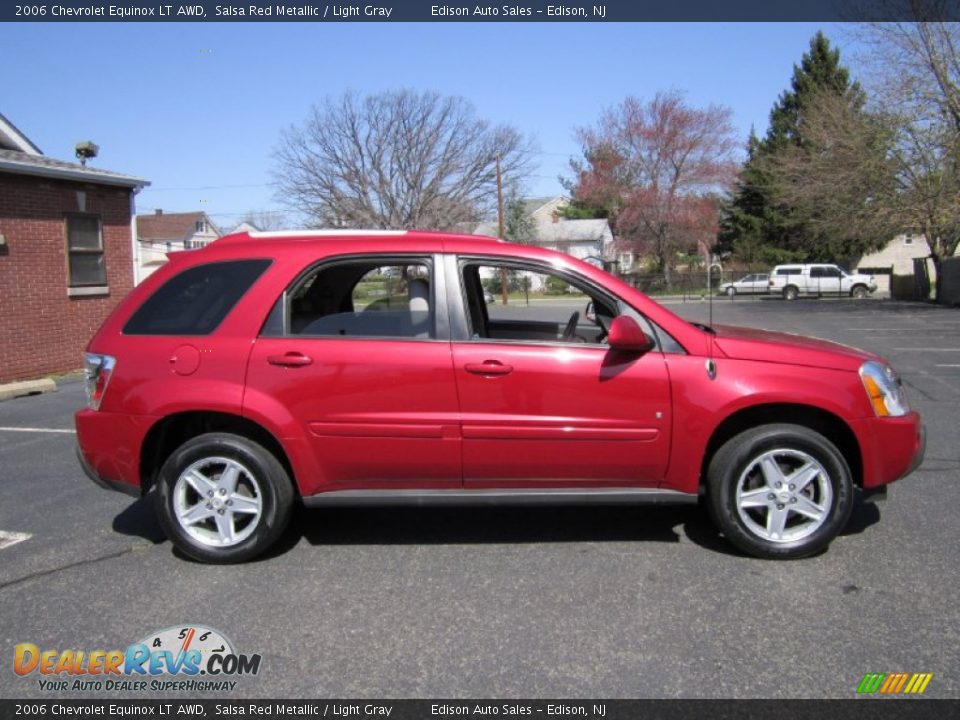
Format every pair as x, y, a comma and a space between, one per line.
323, 233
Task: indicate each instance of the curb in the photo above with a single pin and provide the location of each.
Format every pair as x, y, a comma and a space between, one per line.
27, 387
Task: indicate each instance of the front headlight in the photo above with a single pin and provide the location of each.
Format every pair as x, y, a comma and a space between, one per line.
884, 390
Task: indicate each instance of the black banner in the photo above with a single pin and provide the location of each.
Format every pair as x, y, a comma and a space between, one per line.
888, 709
457, 11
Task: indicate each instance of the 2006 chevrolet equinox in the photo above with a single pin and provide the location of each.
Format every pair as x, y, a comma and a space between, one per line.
358, 367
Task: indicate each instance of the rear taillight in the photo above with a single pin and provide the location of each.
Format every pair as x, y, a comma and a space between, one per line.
97, 370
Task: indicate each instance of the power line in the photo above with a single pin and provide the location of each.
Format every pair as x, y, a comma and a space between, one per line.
207, 187
257, 185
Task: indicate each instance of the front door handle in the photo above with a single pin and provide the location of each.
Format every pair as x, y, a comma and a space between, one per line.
488, 367
290, 359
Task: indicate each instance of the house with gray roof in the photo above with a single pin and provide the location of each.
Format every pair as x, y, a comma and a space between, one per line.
162, 232
590, 240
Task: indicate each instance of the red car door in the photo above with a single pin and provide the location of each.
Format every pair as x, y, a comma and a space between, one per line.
561, 414
376, 411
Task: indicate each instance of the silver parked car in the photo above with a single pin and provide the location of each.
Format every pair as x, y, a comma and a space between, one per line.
751, 284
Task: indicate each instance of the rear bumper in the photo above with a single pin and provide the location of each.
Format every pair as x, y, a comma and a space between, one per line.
102, 482
108, 447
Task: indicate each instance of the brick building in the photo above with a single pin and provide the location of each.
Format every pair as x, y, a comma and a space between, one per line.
66, 255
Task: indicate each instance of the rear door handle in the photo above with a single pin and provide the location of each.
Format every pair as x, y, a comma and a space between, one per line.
488, 367
290, 359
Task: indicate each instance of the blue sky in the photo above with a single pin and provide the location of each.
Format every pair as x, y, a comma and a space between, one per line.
191, 106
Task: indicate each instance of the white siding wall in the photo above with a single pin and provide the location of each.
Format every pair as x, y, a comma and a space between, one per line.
898, 253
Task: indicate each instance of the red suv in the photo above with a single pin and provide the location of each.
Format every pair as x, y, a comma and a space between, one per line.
368, 367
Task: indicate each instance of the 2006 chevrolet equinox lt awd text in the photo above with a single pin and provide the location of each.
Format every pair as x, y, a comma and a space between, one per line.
367, 367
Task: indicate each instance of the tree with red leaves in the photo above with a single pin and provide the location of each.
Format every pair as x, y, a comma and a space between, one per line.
656, 169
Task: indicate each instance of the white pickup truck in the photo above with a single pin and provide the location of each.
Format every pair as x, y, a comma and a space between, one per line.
818, 279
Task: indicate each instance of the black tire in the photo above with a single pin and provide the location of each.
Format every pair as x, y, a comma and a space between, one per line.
859, 292
262, 481
729, 468
731, 291
790, 292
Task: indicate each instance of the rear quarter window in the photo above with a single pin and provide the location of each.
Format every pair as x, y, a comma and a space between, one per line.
195, 301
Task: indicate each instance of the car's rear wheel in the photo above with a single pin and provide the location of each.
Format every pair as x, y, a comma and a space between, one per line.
223, 498
859, 292
779, 491
731, 291
790, 292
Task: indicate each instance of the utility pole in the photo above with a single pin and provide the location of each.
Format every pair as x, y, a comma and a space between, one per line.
503, 270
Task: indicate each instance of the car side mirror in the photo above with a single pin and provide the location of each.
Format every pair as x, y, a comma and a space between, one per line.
626, 335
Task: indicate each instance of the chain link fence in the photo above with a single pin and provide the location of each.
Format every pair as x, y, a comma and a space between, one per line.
686, 284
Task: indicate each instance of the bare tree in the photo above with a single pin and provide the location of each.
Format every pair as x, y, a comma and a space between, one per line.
400, 159
916, 63
656, 169
265, 219
914, 73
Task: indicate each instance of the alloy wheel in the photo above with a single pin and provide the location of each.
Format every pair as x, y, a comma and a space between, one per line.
217, 502
784, 495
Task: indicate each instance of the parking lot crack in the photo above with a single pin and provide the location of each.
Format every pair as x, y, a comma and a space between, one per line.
79, 563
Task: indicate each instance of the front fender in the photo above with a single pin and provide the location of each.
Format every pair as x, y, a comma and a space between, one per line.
702, 405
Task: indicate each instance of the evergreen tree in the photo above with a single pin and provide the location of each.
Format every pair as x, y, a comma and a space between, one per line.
819, 70
518, 226
753, 225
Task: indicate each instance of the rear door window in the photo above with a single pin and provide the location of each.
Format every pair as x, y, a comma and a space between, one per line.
363, 298
196, 301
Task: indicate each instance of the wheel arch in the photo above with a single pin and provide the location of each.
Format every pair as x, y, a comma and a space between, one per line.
828, 424
170, 432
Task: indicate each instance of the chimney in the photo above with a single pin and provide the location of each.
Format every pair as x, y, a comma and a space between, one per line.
158, 211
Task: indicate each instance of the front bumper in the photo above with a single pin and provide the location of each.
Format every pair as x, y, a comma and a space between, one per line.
920, 451
878, 493
891, 448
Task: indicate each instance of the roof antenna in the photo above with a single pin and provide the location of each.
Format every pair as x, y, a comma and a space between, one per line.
86, 150
711, 366
710, 291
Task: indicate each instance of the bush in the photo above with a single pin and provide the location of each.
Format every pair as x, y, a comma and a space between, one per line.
556, 286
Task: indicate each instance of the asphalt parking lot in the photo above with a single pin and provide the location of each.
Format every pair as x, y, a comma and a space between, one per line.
528, 602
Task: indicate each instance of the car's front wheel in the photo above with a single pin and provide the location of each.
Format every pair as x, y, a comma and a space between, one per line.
223, 498
779, 491
731, 291
859, 292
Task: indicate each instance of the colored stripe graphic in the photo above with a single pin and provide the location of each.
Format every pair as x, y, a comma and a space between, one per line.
918, 683
894, 683
871, 682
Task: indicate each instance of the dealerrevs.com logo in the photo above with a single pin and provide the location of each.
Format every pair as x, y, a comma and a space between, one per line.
190, 658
